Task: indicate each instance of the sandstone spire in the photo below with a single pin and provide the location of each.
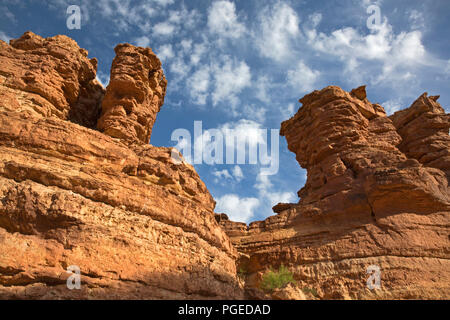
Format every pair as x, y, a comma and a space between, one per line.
134, 95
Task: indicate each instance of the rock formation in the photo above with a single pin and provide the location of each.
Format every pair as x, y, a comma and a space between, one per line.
50, 77
376, 194
134, 95
136, 224
80, 186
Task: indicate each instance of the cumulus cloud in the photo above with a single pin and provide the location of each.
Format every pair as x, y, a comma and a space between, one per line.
237, 173
416, 19
234, 175
393, 105
237, 208
270, 195
223, 81
223, 21
250, 111
302, 78
165, 52
395, 52
240, 138
230, 78
163, 29
222, 174
279, 26
143, 41
199, 85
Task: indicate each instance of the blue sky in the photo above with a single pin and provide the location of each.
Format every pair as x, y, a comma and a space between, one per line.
243, 65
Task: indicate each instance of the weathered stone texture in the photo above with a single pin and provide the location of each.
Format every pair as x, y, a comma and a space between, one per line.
376, 194
138, 225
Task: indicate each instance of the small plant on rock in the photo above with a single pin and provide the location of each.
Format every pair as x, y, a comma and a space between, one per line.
272, 280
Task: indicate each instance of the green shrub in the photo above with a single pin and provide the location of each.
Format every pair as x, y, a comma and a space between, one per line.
272, 280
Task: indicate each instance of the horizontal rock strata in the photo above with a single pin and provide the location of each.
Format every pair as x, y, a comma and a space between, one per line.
376, 194
136, 224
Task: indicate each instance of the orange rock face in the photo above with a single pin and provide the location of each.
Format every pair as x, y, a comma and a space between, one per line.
50, 77
376, 194
134, 95
81, 186
136, 224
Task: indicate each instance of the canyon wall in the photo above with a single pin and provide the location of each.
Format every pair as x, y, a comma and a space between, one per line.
72, 193
81, 186
376, 194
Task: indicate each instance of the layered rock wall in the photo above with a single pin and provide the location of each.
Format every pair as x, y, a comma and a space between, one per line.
136, 224
376, 194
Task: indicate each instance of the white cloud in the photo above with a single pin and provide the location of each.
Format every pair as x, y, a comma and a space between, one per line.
244, 132
278, 28
198, 52
408, 47
222, 20
270, 197
230, 78
4, 37
250, 111
223, 81
164, 29
222, 174
142, 41
302, 78
165, 52
237, 209
186, 45
180, 68
125, 13
395, 52
184, 18
263, 86
237, 173
391, 106
199, 85
315, 19
103, 78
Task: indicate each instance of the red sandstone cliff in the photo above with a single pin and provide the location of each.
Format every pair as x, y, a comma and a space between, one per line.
79, 185
376, 194
137, 225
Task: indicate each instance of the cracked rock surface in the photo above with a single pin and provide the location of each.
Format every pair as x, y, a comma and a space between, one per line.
136, 224
376, 194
